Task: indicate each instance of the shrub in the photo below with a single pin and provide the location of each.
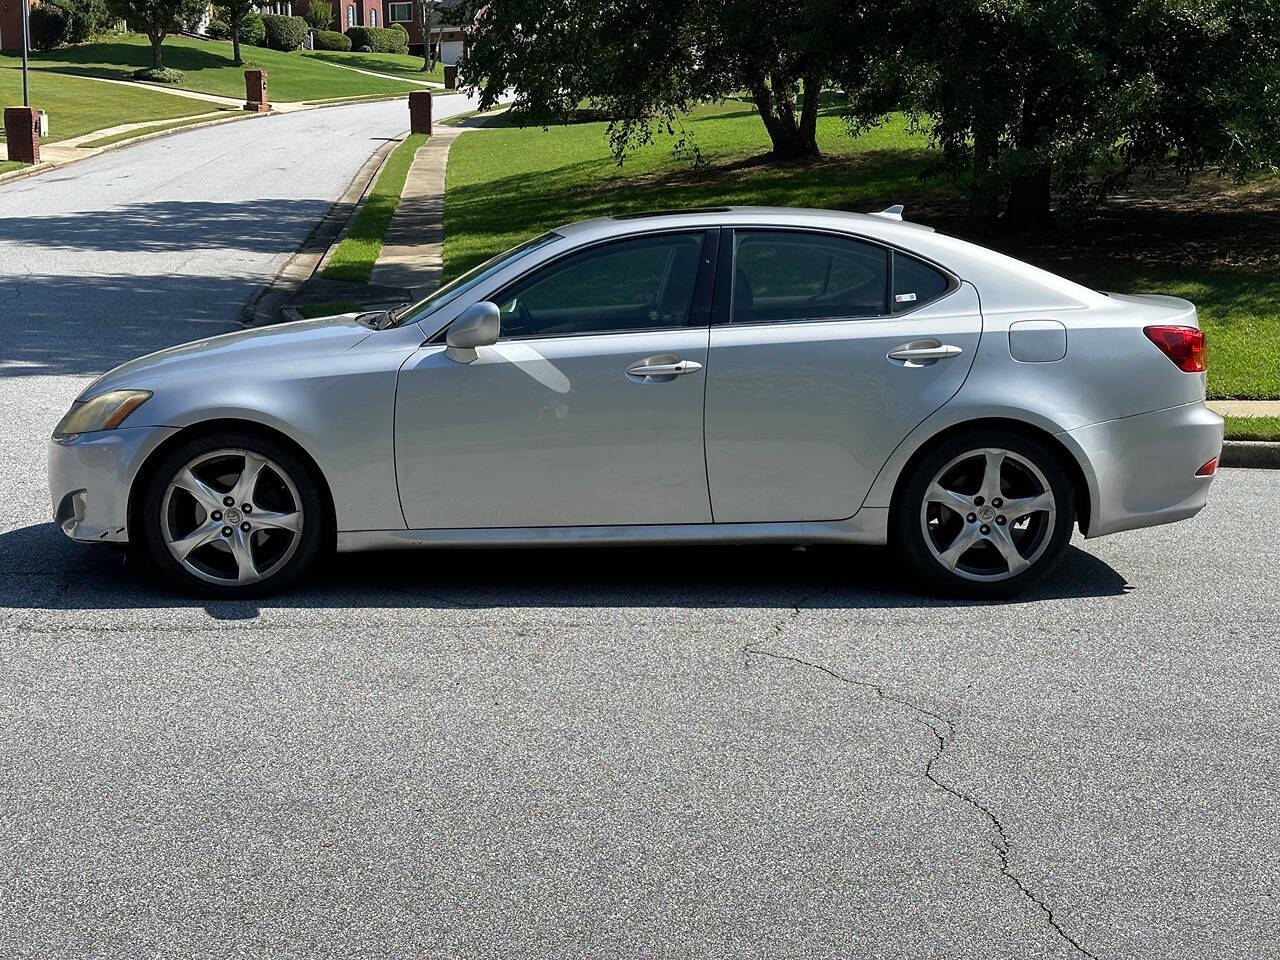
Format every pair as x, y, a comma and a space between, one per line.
218, 30
401, 27
319, 15
284, 33
84, 17
159, 75
332, 40
379, 39
48, 27
252, 31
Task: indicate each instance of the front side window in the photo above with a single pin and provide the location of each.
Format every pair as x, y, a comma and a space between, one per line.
400, 12
645, 283
474, 277
783, 276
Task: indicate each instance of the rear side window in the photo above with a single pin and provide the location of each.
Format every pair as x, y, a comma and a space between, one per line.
785, 276
915, 282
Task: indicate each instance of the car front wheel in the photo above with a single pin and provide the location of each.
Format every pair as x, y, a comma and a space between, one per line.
231, 515
985, 514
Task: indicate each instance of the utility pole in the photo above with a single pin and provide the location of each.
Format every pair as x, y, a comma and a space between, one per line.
26, 42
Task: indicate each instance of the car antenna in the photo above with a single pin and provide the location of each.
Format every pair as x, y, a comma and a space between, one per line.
890, 213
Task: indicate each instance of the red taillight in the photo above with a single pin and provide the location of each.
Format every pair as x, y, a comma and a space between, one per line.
1209, 469
1183, 345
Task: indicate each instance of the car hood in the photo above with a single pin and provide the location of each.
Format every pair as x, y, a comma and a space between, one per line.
283, 342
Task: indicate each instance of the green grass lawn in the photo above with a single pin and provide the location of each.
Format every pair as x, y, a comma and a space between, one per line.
208, 68
357, 253
77, 106
1253, 428
396, 64
156, 128
508, 184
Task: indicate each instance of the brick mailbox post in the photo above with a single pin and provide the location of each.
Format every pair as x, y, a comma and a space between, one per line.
420, 111
22, 133
450, 77
255, 91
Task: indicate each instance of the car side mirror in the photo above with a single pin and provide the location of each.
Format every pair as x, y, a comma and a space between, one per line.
477, 326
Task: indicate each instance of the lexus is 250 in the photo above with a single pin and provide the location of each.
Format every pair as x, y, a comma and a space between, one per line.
718, 375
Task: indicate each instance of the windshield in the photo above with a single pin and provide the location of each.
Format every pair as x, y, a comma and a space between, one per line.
456, 288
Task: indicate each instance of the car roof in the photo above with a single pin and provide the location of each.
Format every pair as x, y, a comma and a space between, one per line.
1005, 284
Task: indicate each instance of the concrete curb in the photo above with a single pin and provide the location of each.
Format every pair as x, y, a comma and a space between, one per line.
267, 306
1259, 454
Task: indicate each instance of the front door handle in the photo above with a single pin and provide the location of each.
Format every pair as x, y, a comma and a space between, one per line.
919, 353
674, 369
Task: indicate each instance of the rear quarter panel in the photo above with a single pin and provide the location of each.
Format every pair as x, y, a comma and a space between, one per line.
1110, 371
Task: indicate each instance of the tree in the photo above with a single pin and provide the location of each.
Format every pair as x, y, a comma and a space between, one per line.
427, 15
645, 64
237, 10
1033, 96
158, 19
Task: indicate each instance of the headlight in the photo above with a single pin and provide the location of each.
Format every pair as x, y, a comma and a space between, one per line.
104, 412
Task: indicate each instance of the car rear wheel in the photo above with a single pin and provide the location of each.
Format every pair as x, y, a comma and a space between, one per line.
985, 514
232, 515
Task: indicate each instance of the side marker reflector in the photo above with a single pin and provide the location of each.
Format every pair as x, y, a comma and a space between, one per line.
1209, 469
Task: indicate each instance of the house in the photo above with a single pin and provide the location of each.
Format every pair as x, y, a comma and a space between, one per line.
11, 23
448, 39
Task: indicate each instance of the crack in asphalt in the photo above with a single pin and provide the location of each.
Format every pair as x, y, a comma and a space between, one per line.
943, 731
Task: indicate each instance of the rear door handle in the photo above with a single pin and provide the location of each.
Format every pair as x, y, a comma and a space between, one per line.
675, 369
918, 353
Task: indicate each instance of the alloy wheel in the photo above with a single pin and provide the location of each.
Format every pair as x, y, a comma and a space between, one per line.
988, 514
231, 517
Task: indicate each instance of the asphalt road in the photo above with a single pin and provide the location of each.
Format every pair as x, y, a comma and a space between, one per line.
630, 753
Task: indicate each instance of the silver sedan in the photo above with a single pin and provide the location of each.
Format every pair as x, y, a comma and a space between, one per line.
725, 375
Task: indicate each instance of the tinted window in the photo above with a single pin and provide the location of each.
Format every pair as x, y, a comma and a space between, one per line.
780, 276
476, 275
638, 284
915, 283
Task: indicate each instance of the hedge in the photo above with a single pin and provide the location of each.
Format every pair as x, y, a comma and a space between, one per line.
379, 39
284, 33
252, 31
47, 26
331, 40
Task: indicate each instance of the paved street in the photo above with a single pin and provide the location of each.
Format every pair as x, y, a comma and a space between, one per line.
659, 753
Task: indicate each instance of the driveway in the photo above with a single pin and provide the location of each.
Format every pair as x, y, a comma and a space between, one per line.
632, 753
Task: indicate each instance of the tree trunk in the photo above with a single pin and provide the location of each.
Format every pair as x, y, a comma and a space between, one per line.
984, 189
157, 38
1029, 197
235, 42
791, 138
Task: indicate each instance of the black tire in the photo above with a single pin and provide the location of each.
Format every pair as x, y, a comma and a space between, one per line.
315, 537
1044, 547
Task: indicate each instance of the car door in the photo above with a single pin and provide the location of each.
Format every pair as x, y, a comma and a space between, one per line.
588, 409
826, 351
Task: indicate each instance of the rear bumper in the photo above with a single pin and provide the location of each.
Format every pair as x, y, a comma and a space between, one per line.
1143, 467
90, 477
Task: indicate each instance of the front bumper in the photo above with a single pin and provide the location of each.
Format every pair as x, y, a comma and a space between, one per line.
90, 477
1143, 467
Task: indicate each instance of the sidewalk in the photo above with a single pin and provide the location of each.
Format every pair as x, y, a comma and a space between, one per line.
411, 257
1245, 408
